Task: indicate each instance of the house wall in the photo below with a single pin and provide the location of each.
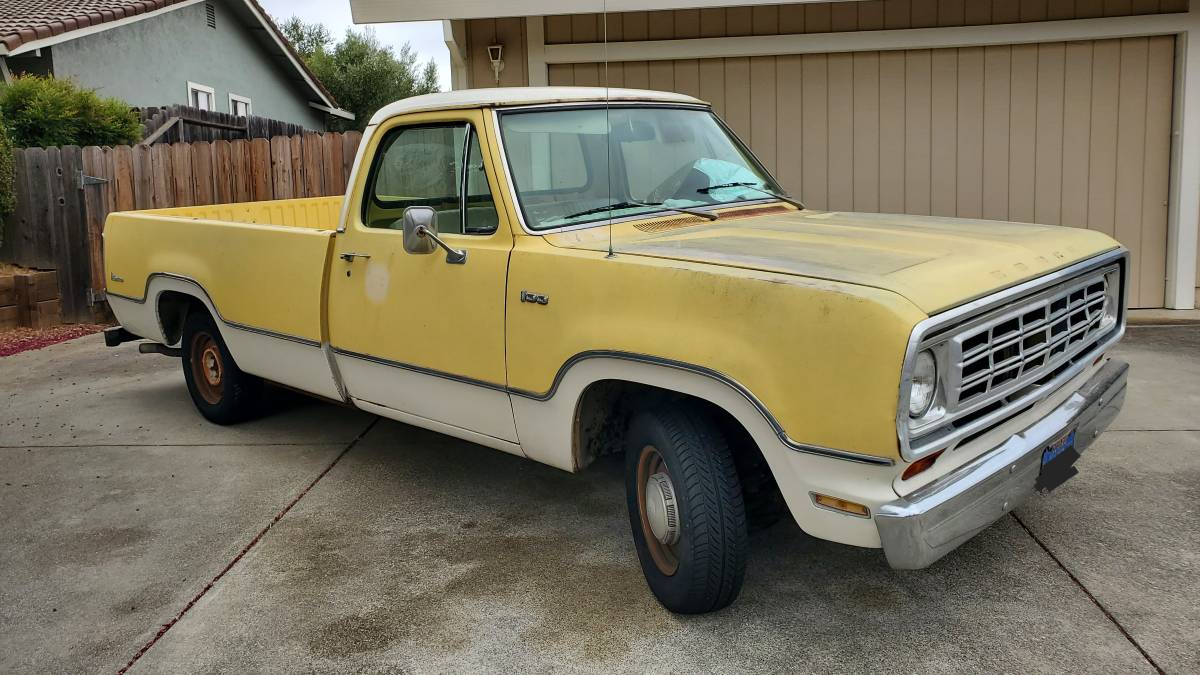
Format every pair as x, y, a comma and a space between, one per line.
150, 62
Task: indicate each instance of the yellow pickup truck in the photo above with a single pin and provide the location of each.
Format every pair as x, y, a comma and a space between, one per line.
568, 273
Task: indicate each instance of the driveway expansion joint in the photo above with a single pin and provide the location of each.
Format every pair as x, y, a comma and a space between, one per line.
1095, 601
163, 629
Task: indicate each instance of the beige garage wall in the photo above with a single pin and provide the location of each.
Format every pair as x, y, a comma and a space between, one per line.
1075, 134
837, 17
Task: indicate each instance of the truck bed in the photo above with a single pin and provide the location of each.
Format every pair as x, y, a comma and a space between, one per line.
262, 264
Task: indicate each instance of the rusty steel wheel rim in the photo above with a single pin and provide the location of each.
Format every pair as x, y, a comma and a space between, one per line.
208, 371
653, 480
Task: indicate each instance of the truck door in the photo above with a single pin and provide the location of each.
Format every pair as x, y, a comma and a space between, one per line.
422, 334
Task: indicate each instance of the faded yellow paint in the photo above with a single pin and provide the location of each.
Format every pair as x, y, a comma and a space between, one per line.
416, 309
937, 263
823, 356
262, 263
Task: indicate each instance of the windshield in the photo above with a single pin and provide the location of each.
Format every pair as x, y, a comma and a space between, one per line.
661, 158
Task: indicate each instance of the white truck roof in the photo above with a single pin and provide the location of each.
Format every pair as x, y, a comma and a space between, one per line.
507, 96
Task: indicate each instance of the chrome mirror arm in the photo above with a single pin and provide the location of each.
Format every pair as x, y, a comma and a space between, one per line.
453, 256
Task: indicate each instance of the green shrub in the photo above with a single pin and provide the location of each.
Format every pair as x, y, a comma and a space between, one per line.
44, 111
8, 196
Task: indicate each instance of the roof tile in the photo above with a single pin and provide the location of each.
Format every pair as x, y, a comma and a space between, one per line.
25, 20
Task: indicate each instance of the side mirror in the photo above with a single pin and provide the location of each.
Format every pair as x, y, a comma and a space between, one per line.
420, 234
417, 220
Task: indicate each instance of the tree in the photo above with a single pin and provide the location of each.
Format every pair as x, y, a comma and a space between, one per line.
45, 111
362, 74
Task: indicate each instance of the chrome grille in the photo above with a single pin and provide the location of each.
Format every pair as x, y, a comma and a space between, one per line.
1009, 351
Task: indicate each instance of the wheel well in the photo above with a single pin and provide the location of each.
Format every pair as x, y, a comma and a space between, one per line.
603, 414
173, 308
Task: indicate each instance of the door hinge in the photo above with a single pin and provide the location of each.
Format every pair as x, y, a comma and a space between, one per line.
83, 179
94, 296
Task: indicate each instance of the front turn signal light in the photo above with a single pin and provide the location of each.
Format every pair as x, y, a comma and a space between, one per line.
921, 465
838, 504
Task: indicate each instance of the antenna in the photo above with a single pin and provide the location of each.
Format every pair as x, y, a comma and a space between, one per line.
608, 129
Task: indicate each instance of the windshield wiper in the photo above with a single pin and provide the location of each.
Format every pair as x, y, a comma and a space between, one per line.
756, 187
653, 205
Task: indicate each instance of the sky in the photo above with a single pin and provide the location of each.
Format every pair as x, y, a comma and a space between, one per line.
424, 36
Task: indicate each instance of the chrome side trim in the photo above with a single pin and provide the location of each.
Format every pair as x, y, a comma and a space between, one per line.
918, 529
988, 303
232, 324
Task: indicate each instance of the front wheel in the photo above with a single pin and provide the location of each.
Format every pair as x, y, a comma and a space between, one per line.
685, 509
222, 392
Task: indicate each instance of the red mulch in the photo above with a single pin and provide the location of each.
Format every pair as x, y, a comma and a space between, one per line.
20, 340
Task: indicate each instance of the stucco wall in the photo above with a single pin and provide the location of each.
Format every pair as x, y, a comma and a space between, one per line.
150, 62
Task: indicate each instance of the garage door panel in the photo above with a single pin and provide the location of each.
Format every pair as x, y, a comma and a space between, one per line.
1131, 149
1156, 179
970, 132
1106, 98
891, 132
763, 88
943, 154
866, 131
841, 132
1022, 125
997, 79
1047, 198
1076, 138
814, 114
917, 110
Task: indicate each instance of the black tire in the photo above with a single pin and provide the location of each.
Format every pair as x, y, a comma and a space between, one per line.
702, 569
222, 392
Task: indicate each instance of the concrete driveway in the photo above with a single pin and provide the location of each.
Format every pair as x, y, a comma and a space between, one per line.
321, 539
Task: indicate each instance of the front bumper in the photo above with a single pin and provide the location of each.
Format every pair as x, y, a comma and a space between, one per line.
920, 528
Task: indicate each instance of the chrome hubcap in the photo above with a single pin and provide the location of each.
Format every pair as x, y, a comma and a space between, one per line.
661, 510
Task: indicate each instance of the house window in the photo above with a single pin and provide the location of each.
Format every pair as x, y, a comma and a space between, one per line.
239, 105
201, 96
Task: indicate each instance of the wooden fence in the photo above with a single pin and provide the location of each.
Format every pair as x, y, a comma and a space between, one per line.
64, 194
186, 124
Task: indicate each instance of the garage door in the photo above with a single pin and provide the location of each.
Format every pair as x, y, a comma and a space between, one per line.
1073, 133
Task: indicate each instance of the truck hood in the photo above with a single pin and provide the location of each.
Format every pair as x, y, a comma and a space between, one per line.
937, 263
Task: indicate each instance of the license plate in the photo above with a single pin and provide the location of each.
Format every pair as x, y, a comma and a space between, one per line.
1058, 462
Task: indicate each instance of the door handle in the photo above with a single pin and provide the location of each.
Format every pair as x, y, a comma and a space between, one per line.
349, 257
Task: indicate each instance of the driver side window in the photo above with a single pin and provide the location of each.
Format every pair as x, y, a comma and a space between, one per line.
439, 166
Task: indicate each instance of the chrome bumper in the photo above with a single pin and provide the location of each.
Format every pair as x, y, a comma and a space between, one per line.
920, 528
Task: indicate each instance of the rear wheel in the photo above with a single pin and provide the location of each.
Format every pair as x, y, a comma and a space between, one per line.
222, 392
685, 509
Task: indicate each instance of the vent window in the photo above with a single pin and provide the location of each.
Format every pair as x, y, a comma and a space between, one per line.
210, 14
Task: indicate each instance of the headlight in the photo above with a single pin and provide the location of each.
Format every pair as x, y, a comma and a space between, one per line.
923, 385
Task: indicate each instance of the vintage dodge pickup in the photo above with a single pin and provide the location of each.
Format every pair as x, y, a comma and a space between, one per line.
564, 274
